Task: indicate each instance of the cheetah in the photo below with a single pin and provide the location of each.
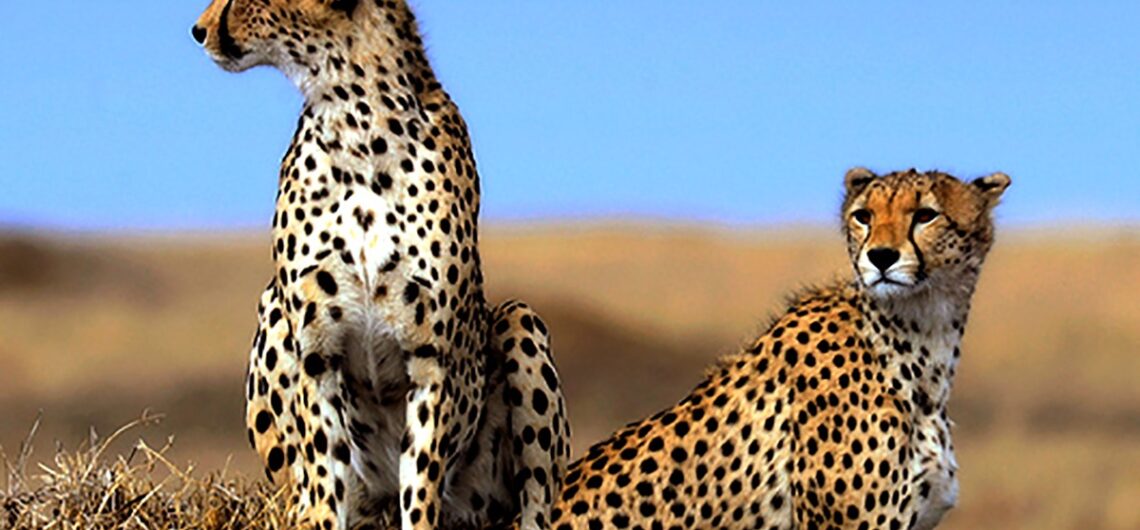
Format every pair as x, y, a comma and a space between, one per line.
379, 382
836, 416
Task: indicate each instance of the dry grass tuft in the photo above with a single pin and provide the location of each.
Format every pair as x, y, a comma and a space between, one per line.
91, 489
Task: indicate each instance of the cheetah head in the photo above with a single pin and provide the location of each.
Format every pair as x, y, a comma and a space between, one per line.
241, 34
910, 231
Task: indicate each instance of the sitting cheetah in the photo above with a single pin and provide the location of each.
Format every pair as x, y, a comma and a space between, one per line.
379, 383
836, 416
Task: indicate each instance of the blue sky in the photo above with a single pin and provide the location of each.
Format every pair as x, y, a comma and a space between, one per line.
736, 112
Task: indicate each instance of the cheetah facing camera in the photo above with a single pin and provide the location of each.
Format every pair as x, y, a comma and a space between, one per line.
836, 416
378, 381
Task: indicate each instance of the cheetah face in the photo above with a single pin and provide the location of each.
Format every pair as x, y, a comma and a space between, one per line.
241, 34
909, 231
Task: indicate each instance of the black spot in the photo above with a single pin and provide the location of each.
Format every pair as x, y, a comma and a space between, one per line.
342, 453
310, 314
327, 283
276, 459
320, 442
379, 147
540, 401
314, 365
514, 397
263, 421
550, 377
649, 465
790, 356
411, 292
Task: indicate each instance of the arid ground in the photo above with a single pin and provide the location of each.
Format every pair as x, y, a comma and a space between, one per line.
95, 329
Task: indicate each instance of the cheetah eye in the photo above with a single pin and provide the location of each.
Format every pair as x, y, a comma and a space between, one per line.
861, 216
924, 215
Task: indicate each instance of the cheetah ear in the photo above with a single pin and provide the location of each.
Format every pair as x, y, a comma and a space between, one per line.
992, 187
345, 6
857, 178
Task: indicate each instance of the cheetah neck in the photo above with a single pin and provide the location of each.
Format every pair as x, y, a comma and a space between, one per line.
379, 44
919, 338
371, 101
931, 312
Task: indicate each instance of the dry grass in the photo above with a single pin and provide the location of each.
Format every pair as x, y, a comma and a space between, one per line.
91, 488
1047, 405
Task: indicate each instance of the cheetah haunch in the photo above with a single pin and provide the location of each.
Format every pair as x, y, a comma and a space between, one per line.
379, 381
836, 416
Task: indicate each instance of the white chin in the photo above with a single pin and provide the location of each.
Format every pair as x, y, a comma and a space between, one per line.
230, 64
885, 289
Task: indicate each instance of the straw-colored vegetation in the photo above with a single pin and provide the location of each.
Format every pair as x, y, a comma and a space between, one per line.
92, 488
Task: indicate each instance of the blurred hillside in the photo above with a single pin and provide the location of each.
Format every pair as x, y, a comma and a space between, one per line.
95, 329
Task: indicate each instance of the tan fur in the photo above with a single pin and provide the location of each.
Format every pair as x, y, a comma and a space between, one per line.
381, 387
836, 416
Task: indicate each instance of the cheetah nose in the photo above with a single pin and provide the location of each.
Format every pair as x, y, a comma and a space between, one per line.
199, 34
883, 257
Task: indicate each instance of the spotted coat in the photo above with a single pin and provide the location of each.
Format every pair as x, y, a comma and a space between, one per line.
379, 381
836, 416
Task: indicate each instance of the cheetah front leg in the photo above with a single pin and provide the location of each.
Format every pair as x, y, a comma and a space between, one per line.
271, 383
423, 457
332, 493
330, 489
295, 411
538, 426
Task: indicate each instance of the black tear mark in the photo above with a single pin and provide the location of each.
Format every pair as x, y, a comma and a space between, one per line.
226, 43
